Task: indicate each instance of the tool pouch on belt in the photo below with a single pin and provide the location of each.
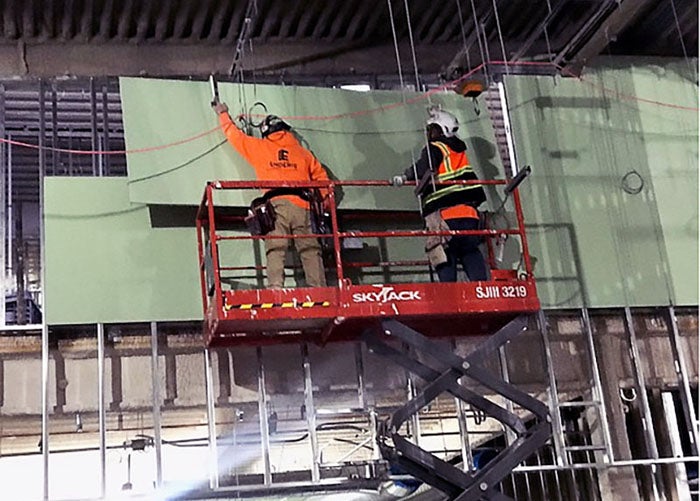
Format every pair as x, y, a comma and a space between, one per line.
435, 244
261, 217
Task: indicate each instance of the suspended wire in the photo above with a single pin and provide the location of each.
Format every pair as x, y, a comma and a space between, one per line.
348, 115
478, 38
546, 33
680, 34
464, 35
500, 35
413, 47
396, 45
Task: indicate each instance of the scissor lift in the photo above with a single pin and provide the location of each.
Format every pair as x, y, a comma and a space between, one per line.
410, 312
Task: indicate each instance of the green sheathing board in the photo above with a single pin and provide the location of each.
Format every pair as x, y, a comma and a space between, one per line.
594, 243
356, 135
104, 262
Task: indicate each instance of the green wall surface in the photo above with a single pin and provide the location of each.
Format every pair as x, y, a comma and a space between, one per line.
355, 135
104, 261
594, 242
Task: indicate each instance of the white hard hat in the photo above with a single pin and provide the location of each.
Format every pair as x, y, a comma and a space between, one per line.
446, 121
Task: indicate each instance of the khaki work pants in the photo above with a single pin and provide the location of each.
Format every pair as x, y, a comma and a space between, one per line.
293, 220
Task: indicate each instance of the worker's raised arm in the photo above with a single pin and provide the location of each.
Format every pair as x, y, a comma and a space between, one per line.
242, 142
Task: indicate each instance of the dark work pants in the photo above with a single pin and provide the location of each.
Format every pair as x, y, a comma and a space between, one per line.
463, 249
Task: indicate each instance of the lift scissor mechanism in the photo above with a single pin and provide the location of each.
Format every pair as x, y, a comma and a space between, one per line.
412, 313
445, 377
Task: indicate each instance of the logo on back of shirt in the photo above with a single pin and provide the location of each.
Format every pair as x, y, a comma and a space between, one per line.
283, 161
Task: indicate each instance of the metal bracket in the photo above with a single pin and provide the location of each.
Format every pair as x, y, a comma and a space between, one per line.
457, 484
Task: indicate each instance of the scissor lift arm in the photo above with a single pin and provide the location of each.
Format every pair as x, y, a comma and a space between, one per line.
457, 484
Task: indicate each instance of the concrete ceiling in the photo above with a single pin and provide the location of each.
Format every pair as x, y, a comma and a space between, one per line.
324, 37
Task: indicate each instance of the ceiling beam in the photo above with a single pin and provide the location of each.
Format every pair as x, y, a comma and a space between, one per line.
623, 16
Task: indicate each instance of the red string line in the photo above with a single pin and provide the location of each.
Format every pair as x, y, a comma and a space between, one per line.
357, 113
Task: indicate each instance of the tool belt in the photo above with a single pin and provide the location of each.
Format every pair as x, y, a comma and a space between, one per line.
261, 214
261, 217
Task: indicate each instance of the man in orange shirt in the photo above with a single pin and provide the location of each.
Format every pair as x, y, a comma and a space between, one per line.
279, 156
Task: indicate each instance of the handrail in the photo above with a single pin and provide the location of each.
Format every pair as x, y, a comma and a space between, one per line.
208, 232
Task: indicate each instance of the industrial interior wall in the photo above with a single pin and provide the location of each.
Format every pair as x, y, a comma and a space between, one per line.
104, 261
107, 262
612, 205
355, 135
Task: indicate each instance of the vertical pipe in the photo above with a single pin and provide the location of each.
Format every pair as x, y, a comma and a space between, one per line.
360, 374
560, 456
647, 422
54, 129
45, 407
682, 371
3, 208
262, 413
10, 210
105, 122
93, 126
44, 326
101, 415
155, 381
211, 421
598, 387
310, 414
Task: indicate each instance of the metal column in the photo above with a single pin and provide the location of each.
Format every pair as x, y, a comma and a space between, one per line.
598, 387
44, 327
101, 408
310, 413
156, 404
3, 208
211, 421
262, 414
682, 371
558, 435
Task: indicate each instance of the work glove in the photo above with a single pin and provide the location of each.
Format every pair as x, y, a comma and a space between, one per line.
219, 107
398, 180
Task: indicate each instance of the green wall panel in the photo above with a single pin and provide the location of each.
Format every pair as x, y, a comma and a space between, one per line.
104, 262
376, 136
594, 243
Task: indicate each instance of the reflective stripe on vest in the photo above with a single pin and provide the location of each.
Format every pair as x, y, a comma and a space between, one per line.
454, 166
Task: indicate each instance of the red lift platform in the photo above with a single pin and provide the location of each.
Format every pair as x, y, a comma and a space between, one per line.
377, 313
342, 311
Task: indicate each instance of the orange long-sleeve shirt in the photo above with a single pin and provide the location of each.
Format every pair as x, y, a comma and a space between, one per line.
278, 157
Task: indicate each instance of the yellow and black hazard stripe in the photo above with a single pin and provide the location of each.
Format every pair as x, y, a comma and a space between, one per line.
267, 306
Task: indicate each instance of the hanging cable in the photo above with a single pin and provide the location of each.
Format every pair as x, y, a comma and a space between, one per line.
413, 47
500, 35
396, 46
464, 35
680, 34
481, 46
546, 33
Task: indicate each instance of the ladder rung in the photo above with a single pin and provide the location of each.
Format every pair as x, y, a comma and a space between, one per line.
574, 448
581, 403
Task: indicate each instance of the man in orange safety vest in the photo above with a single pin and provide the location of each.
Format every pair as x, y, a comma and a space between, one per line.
453, 206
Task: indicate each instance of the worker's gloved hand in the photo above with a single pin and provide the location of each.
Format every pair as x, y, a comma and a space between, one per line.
398, 180
219, 107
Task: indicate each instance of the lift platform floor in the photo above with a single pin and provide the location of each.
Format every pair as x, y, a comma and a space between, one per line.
323, 314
